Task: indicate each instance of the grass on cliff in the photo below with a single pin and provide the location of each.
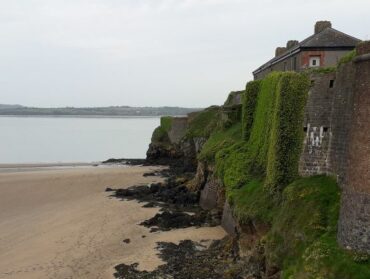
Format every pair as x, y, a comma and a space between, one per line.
220, 139
252, 202
204, 123
302, 239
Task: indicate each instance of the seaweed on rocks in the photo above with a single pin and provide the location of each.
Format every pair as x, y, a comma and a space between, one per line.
190, 259
175, 201
170, 194
168, 220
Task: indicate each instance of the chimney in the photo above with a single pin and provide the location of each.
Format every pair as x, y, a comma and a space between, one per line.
279, 51
291, 44
321, 26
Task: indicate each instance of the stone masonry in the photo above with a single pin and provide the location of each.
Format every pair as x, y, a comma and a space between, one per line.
337, 142
178, 129
317, 118
354, 223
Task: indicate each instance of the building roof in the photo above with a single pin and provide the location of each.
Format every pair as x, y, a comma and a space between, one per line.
329, 38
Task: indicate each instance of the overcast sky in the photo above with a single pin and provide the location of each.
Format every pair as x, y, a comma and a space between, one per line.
151, 52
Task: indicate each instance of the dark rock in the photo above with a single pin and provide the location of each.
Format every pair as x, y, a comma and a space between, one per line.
170, 220
127, 240
189, 260
108, 189
131, 162
150, 174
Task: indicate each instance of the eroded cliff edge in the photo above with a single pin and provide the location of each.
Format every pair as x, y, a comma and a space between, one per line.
285, 160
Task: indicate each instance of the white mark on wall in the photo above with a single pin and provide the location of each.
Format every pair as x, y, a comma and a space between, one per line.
314, 137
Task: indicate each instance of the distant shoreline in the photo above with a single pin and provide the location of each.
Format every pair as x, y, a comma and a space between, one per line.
81, 116
113, 111
25, 167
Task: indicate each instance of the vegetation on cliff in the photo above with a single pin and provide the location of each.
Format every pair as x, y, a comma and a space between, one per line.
302, 239
274, 123
202, 124
256, 158
160, 134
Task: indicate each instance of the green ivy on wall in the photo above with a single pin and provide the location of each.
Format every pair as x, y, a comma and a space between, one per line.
249, 102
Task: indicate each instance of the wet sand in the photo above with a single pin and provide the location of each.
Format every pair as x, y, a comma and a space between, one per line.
60, 223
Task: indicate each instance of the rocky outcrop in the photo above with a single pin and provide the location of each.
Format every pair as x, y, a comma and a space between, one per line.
173, 147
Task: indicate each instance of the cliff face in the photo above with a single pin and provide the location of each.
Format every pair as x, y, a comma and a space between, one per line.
274, 159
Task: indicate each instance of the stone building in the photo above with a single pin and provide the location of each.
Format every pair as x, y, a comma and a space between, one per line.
323, 49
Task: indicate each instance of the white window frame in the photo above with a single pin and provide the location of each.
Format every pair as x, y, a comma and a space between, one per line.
315, 58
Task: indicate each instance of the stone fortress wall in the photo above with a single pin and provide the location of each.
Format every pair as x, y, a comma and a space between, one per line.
354, 221
337, 142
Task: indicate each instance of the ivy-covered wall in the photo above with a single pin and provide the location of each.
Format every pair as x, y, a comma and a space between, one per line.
272, 133
249, 102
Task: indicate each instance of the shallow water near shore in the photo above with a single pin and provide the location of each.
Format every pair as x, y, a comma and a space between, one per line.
73, 139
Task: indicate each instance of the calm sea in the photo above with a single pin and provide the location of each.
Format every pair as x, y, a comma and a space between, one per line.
73, 139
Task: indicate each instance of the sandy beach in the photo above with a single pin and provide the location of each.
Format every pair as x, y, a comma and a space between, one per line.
60, 223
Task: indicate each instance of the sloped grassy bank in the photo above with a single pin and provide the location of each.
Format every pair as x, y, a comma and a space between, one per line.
254, 155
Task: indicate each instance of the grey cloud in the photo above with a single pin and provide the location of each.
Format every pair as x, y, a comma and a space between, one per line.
145, 52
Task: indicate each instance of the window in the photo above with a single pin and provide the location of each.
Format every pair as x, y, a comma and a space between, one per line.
331, 85
315, 61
